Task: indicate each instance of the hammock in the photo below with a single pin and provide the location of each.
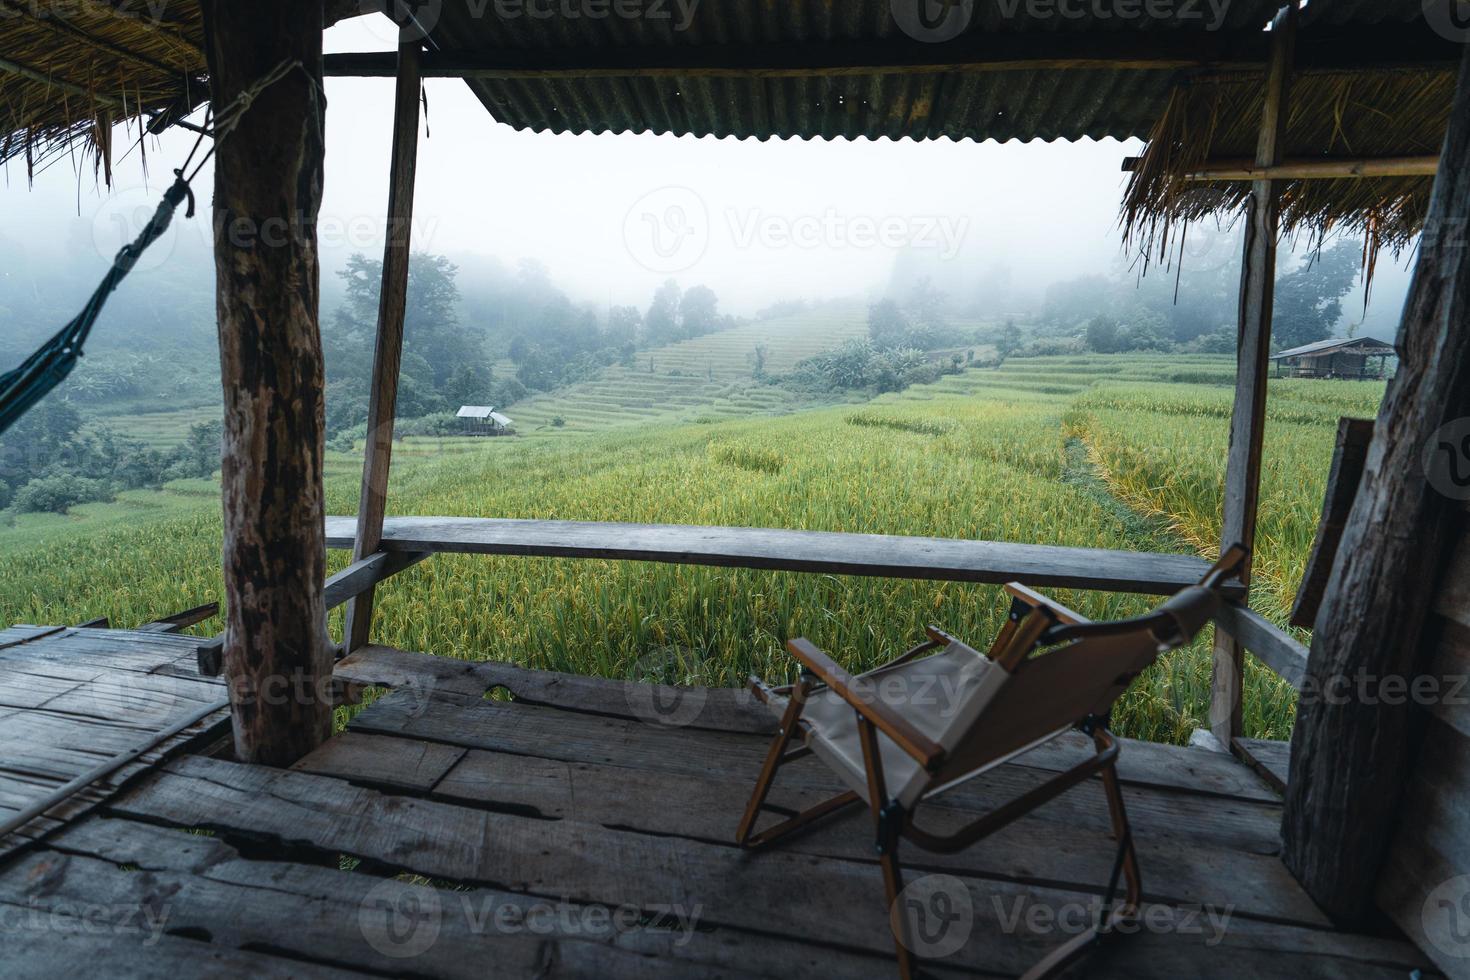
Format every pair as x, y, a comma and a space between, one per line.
48, 367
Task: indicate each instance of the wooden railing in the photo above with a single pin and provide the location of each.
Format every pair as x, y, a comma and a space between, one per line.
409, 540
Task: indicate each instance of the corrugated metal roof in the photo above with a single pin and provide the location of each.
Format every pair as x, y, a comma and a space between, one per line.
1316, 347
1042, 104
476, 412
502, 419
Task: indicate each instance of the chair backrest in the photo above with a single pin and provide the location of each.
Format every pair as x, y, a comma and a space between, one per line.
1056, 688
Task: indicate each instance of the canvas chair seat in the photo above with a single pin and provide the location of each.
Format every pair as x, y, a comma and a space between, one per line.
941, 694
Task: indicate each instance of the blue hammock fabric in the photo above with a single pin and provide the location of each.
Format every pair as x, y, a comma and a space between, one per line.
48, 367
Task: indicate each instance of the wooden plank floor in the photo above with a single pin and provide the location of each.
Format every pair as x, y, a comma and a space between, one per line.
584, 829
71, 699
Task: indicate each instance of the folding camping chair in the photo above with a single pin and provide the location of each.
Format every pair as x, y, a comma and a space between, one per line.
902, 734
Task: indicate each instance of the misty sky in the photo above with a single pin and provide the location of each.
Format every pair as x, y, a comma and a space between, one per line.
612, 216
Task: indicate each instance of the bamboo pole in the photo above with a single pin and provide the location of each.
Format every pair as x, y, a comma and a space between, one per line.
388, 351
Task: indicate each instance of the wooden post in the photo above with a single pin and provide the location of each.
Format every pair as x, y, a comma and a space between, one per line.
267, 193
1352, 745
388, 351
1253, 367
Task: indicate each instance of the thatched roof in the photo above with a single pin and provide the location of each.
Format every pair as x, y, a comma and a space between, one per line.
1386, 112
70, 70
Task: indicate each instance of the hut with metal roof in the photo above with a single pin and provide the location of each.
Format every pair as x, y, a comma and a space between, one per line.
1349, 358
1343, 114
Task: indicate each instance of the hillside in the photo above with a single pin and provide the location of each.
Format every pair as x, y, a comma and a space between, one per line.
710, 377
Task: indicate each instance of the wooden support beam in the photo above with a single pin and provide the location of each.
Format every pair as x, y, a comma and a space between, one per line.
1415, 166
1308, 168
388, 351
340, 588
267, 194
1350, 755
1253, 363
1246, 51
182, 620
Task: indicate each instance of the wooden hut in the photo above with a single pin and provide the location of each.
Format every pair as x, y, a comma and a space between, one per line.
483, 420
1349, 860
1351, 358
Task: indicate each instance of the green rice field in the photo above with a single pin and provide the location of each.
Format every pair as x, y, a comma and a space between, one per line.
1121, 451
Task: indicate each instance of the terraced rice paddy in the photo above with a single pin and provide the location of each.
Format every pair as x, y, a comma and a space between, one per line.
1117, 452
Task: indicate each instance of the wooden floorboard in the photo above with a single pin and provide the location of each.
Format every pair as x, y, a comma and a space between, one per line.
778, 892
571, 832
1270, 758
76, 698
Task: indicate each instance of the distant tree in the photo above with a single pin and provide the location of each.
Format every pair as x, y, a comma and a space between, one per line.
1102, 334
758, 357
624, 323
699, 312
469, 385
1309, 299
1009, 341
887, 324
661, 323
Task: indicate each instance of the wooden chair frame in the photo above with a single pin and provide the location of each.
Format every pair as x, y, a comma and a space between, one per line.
1034, 620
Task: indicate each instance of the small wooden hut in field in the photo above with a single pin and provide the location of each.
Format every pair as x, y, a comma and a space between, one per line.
1352, 358
483, 420
1345, 853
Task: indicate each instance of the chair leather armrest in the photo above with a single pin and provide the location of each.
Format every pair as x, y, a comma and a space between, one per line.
864, 700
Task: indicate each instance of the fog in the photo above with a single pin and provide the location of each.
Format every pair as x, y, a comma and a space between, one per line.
612, 216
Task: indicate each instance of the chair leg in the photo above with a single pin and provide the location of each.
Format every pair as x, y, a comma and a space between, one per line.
898, 917
1123, 833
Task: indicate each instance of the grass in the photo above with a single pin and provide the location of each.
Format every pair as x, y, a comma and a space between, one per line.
1107, 452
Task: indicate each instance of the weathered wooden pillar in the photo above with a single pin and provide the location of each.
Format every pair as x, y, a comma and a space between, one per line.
1354, 742
388, 350
267, 192
1253, 367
